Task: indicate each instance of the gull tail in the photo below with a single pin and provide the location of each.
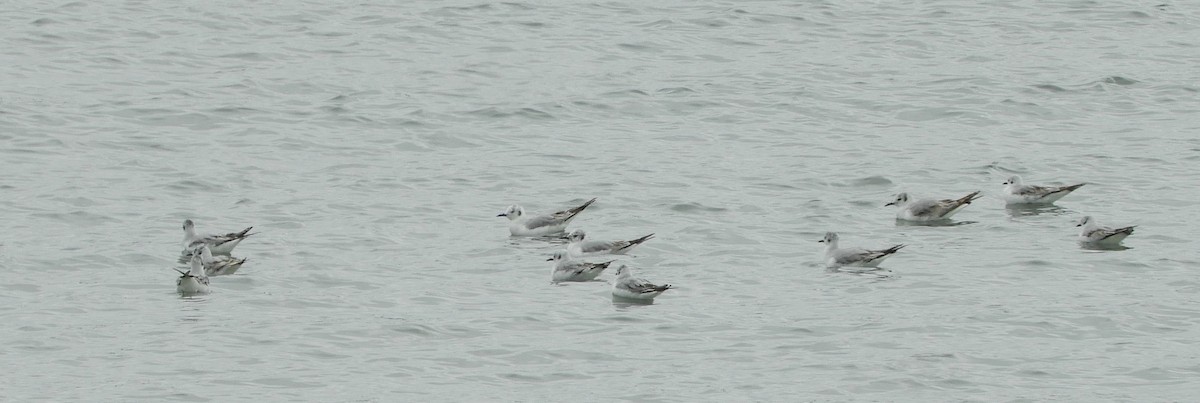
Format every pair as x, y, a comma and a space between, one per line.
968, 198
892, 250
636, 242
584, 206
882, 254
237, 236
1068, 189
1126, 230
658, 288
244, 233
575, 211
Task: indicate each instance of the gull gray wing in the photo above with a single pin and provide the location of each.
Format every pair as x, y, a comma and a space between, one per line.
598, 266
633, 285
1043, 191
1034, 191
1100, 234
928, 208
946, 206
601, 246
851, 255
569, 214
859, 255
217, 240
1064, 189
577, 267
641, 286
224, 267
556, 218
543, 221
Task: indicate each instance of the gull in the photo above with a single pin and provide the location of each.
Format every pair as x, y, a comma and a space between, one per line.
929, 209
1095, 234
1017, 193
194, 281
566, 269
579, 247
629, 287
219, 244
522, 225
858, 257
218, 265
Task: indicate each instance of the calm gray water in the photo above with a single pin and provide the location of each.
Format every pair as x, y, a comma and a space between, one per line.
372, 146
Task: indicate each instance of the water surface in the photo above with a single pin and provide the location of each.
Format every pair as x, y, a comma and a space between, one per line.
372, 146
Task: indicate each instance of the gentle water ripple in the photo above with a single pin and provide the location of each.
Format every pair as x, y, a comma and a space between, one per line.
372, 146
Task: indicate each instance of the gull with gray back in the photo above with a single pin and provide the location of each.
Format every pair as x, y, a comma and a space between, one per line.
1016, 192
924, 210
566, 269
219, 265
218, 244
858, 257
626, 286
521, 224
1092, 233
578, 246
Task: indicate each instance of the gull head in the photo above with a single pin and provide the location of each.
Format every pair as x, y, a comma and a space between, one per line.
558, 256
197, 265
1084, 221
576, 236
188, 225
830, 238
622, 271
513, 212
900, 200
1013, 180
204, 252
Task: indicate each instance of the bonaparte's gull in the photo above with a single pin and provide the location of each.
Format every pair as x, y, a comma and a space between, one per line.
218, 244
629, 287
859, 257
219, 265
912, 209
580, 247
194, 281
1017, 193
1095, 234
566, 269
539, 225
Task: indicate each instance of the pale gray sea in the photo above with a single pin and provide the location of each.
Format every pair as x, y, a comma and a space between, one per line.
371, 146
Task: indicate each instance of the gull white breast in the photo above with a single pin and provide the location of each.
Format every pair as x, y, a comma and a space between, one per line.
194, 281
